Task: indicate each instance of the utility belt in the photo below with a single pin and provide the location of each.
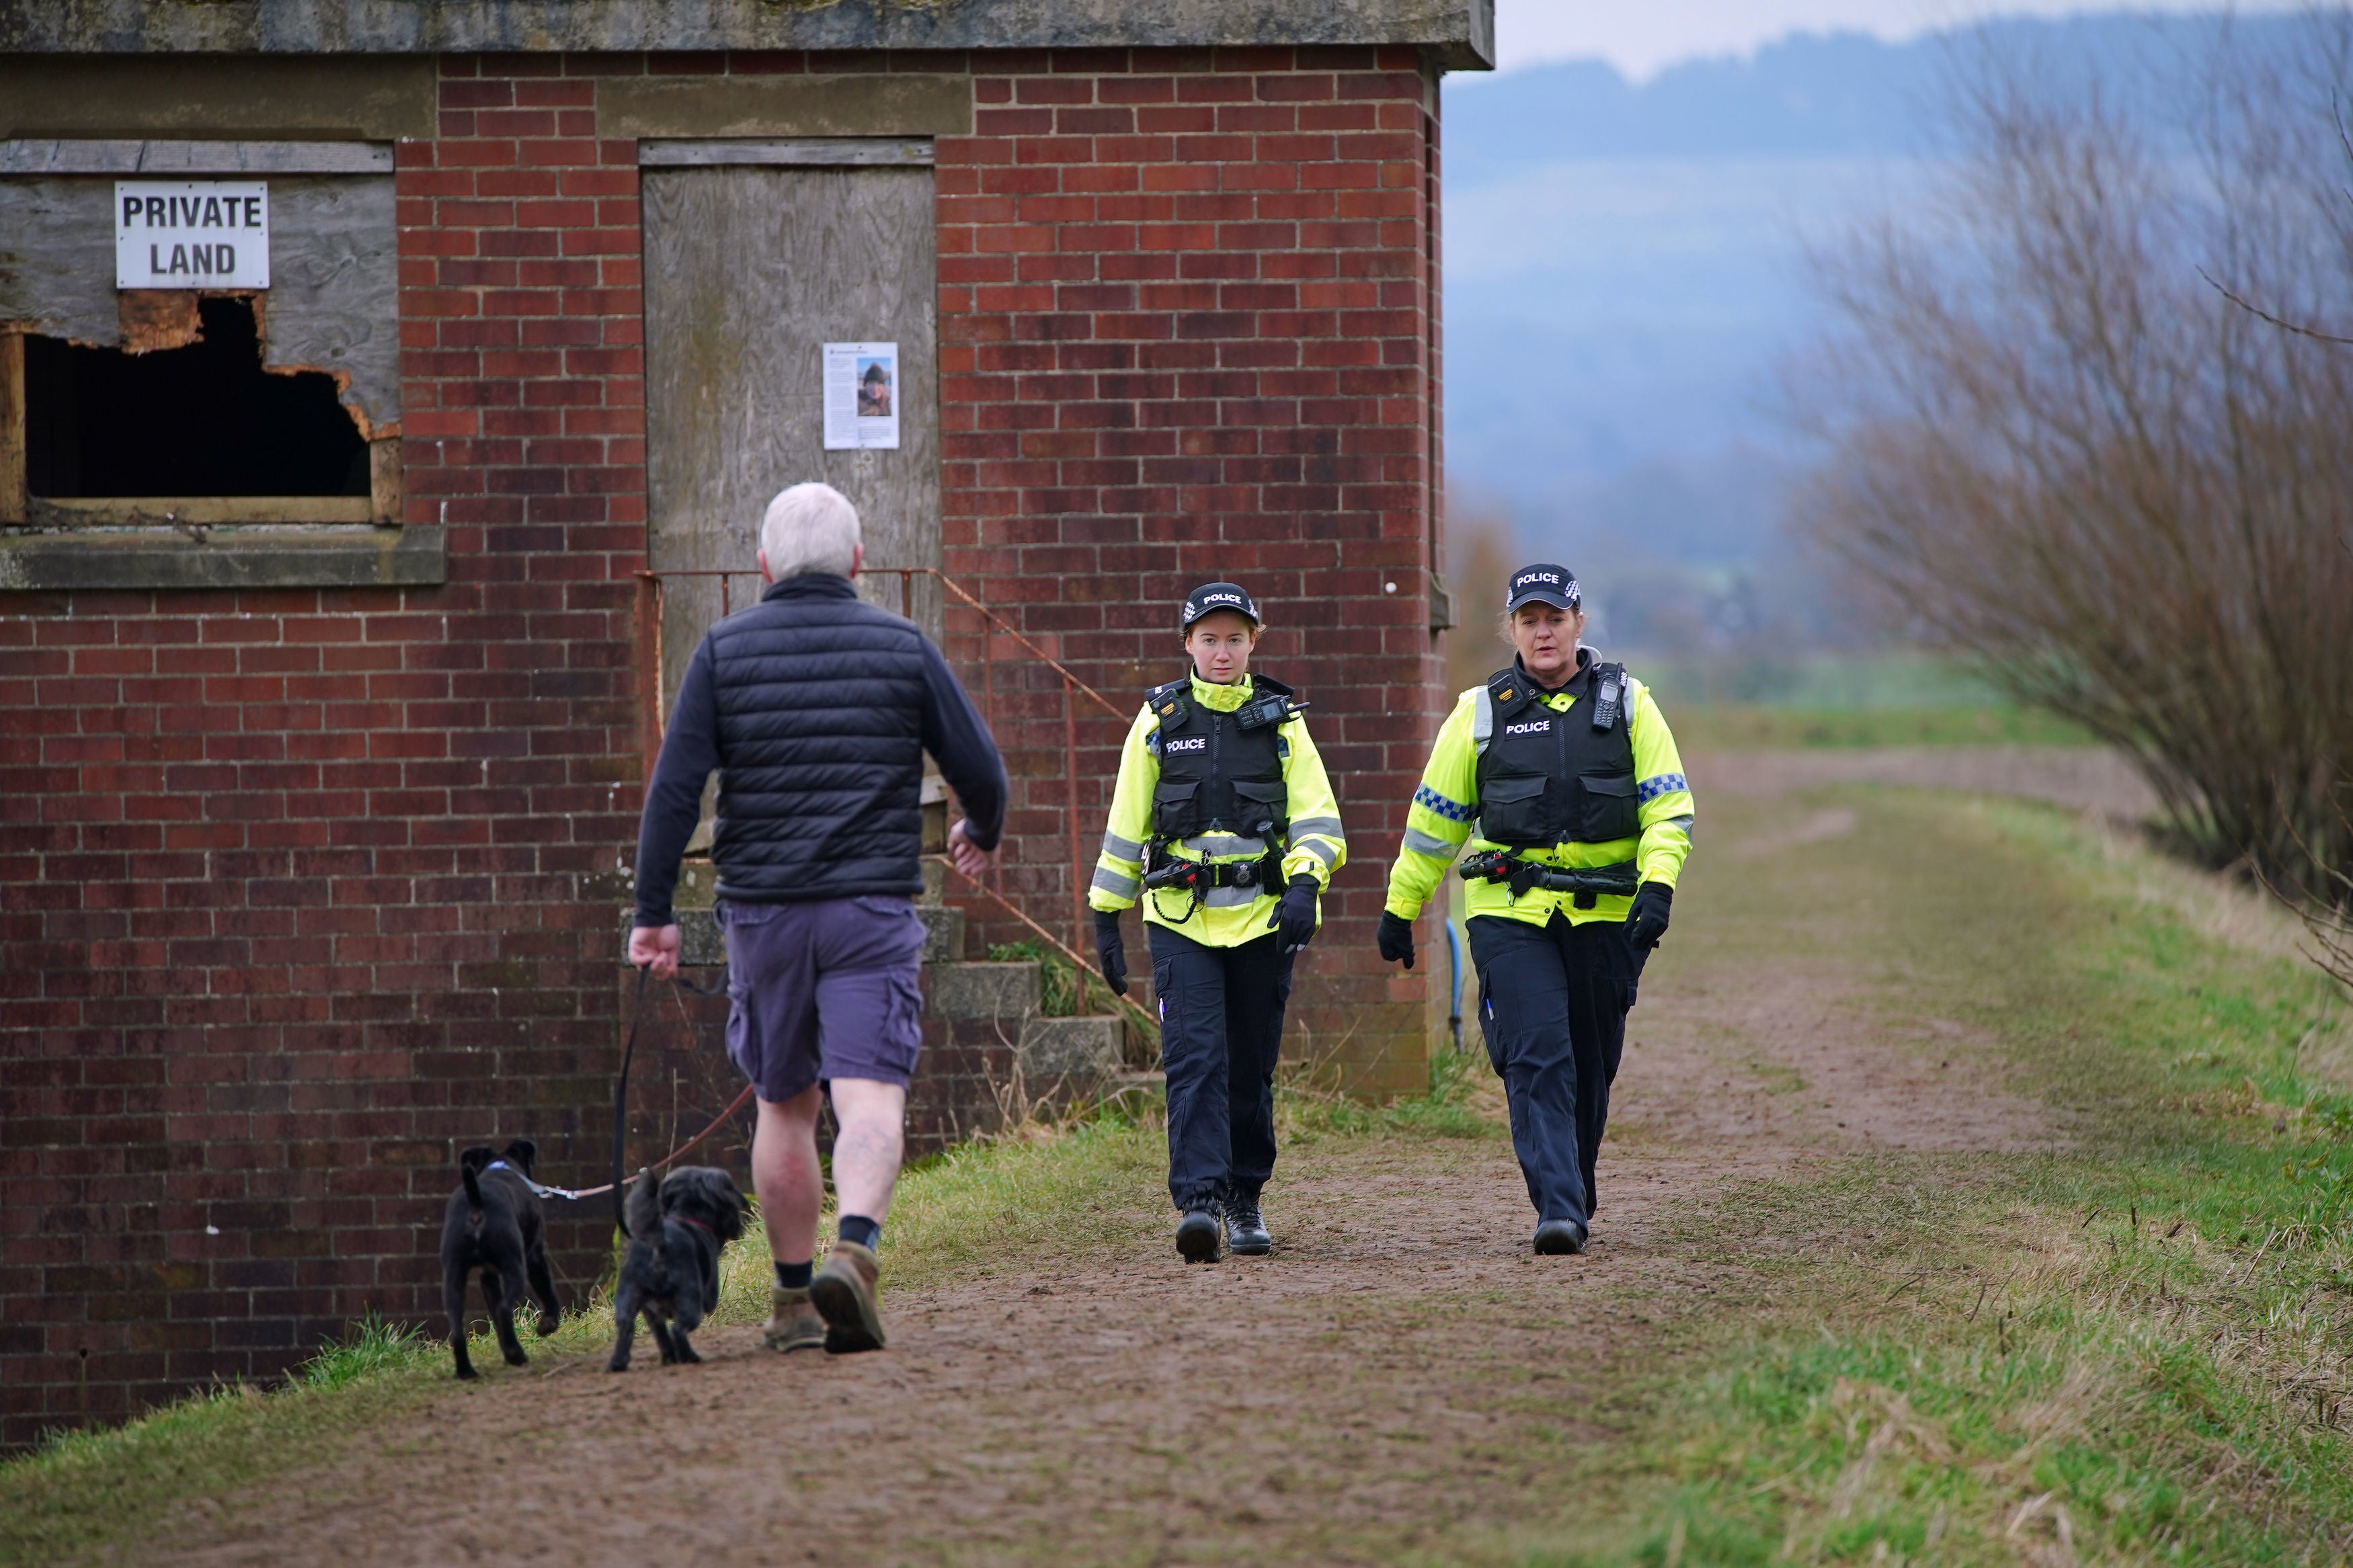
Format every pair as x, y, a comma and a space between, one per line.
1586, 883
1195, 877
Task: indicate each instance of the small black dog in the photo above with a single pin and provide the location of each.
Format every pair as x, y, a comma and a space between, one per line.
493, 1225
676, 1230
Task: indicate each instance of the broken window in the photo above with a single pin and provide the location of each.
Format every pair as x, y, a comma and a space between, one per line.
194, 416
213, 417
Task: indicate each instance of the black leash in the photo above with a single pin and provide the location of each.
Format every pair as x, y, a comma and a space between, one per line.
621, 1098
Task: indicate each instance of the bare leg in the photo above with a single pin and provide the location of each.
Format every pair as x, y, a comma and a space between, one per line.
867, 1149
785, 1173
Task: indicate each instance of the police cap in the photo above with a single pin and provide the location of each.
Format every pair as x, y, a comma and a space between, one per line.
1544, 584
1211, 596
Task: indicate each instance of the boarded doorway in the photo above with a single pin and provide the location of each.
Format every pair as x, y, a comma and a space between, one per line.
756, 256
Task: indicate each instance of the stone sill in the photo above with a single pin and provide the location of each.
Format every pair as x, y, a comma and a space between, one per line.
276, 556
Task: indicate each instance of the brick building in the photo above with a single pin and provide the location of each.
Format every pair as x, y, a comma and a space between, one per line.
327, 651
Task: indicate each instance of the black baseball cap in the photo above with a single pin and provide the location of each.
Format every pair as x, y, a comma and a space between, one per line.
1544, 584
1211, 596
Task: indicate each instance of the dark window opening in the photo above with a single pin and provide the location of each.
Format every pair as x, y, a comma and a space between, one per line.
203, 420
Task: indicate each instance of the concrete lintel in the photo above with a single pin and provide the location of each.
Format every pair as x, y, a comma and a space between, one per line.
50, 156
355, 557
1462, 32
294, 98
830, 153
650, 107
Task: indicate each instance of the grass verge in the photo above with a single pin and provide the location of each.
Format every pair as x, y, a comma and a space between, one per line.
2129, 1348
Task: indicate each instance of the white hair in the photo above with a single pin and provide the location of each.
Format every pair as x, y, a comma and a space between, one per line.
810, 528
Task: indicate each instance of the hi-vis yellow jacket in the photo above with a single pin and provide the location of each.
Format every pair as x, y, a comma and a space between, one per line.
1447, 805
1228, 916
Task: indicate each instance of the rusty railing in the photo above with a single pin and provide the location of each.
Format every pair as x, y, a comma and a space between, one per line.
649, 727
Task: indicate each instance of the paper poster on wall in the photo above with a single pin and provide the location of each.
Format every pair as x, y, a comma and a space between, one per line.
861, 396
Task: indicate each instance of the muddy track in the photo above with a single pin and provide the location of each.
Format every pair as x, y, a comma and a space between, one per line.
1399, 1373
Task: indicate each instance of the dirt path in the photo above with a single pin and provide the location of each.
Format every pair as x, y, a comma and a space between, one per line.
1402, 1376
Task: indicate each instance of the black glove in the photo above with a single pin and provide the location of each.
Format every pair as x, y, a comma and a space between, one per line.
1395, 938
1646, 921
1111, 952
1296, 914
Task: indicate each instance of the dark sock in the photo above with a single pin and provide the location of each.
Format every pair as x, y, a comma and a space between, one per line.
793, 1276
856, 1228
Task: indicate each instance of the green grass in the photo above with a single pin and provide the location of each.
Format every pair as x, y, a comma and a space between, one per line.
2132, 1349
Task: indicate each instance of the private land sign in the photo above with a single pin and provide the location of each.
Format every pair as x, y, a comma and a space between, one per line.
191, 234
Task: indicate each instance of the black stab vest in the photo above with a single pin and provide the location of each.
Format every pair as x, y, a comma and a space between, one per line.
1549, 778
1217, 777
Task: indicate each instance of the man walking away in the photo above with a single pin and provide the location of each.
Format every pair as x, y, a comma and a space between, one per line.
816, 709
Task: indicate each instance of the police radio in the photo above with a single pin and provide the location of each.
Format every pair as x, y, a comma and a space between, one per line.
1608, 695
1271, 709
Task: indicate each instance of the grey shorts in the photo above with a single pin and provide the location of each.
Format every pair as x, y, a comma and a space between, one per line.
824, 990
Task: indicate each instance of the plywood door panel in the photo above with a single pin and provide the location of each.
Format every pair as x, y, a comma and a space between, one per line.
748, 272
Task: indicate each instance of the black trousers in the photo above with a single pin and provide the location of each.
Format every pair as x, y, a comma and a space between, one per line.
1220, 1033
1552, 1005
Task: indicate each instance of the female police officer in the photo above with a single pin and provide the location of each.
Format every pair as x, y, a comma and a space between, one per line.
1583, 819
1223, 823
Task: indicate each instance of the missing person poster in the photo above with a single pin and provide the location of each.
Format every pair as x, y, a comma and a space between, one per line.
861, 396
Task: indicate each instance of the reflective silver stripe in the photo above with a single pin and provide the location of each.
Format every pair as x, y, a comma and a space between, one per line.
1682, 822
1482, 720
1231, 897
1422, 843
1321, 850
1120, 849
1327, 826
1110, 881
1214, 843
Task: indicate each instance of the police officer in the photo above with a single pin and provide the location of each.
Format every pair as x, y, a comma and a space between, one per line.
1565, 767
1223, 824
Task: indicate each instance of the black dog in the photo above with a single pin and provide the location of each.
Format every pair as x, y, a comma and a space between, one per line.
676, 1230
493, 1225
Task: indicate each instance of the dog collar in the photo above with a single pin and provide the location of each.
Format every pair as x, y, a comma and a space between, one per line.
497, 1166
690, 1219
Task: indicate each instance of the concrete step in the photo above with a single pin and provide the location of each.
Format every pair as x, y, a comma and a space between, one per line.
1072, 1050
983, 990
943, 933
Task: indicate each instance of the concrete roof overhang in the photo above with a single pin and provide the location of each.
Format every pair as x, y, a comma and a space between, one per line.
1460, 32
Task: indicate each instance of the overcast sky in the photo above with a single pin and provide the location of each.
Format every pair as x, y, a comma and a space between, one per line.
1641, 37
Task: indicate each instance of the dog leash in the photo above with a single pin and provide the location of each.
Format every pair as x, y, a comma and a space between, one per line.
621, 1112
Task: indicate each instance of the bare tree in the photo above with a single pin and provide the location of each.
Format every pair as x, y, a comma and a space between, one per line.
2060, 449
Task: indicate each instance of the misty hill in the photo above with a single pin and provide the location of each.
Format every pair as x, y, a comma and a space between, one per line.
1625, 269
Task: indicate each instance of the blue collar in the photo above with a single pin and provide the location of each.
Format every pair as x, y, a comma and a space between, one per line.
496, 1165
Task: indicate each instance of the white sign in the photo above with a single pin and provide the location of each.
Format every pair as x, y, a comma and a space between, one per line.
861, 396
191, 234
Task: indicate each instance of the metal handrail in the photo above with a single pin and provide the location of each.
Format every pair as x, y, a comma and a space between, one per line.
649, 616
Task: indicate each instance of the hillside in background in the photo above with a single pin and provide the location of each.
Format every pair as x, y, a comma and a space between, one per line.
1627, 282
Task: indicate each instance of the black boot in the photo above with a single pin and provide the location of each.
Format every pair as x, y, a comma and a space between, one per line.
1245, 1230
1197, 1237
1558, 1236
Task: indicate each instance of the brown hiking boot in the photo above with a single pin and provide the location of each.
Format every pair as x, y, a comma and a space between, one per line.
793, 1322
843, 1292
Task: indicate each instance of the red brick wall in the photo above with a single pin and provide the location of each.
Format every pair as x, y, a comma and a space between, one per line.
303, 890
1187, 330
